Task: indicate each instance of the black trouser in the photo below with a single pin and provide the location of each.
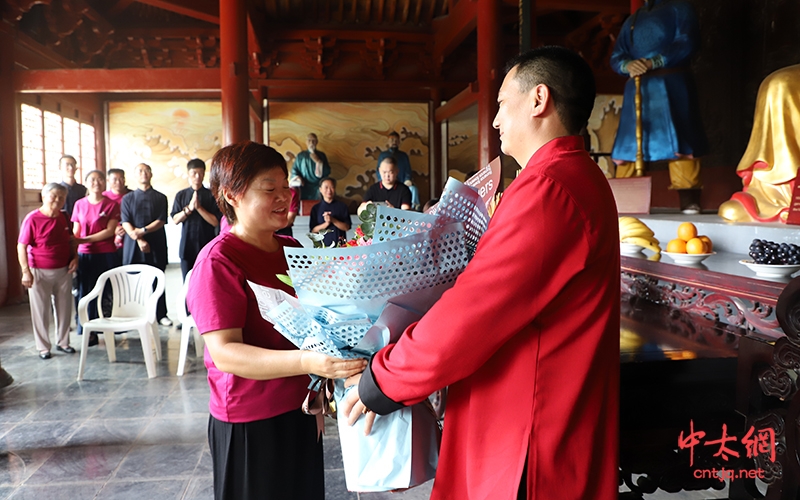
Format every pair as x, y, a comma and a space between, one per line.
276, 458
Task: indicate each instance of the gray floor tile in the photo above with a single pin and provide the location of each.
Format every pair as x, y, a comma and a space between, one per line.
175, 429
6, 491
5, 427
34, 435
205, 468
182, 403
17, 466
421, 492
159, 386
130, 407
83, 463
87, 389
57, 492
200, 488
67, 409
109, 431
159, 461
13, 411
138, 490
335, 488
193, 382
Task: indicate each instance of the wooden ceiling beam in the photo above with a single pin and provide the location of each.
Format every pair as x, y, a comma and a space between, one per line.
380, 10
353, 11
404, 11
619, 6
204, 10
368, 12
461, 101
431, 12
118, 7
116, 80
451, 30
417, 11
280, 35
392, 10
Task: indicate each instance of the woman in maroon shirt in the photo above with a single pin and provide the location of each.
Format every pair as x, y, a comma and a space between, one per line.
47, 257
262, 445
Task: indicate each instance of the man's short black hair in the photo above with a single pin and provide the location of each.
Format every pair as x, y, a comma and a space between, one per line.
328, 179
196, 163
566, 74
393, 133
391, 160
116, 171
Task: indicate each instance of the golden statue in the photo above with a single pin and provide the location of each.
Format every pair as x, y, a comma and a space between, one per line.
769, 166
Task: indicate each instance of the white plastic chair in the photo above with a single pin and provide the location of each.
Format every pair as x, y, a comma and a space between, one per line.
188, 326
134, 308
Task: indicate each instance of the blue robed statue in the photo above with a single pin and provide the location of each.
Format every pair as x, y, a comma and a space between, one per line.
656, 43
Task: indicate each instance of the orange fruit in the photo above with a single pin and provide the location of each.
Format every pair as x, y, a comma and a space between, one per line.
676, 246
687, 231
707, 241
695, 246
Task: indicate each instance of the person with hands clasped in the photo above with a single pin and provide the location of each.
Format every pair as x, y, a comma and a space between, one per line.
47, 257
262, 444
329, 214
196, 209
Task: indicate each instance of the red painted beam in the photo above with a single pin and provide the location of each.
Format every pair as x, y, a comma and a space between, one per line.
461, 101
621, 6
489, 78
234, 74
205, 10
117, 80
451, 30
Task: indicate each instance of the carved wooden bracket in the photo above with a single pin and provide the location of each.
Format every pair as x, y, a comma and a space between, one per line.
319, 53
15, 9
375, 55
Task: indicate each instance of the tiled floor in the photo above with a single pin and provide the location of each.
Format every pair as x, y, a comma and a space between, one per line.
117, 434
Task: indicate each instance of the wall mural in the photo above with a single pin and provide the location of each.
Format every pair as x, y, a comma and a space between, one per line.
602, 129
352, 135
164, 135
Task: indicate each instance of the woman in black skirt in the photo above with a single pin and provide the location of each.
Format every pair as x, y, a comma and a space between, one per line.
262, 445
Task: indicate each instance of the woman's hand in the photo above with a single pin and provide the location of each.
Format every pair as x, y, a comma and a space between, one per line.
73, 265
352, 407
329, 367
27, 278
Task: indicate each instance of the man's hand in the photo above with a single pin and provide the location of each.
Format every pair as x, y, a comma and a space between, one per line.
144, 246
27, 278
193, 202
389, 204
353, 408
326, 216
639, 67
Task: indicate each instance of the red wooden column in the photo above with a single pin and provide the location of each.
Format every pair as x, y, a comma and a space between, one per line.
489, 78
234, 71
10, 287
635, 4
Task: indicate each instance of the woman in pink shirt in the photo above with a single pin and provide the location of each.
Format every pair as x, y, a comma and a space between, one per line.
47, 258
262, 445
94, 218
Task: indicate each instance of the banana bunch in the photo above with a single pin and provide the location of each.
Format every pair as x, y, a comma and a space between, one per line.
636, 232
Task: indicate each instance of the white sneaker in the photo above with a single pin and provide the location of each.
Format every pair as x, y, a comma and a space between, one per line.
165, 321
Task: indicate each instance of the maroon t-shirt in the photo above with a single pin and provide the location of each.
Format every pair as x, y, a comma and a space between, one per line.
220, 298
48, 240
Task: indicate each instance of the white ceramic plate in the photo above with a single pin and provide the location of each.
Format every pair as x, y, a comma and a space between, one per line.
630, 249
688, 258
771, 270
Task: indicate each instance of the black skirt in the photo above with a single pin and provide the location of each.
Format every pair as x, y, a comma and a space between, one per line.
276, 458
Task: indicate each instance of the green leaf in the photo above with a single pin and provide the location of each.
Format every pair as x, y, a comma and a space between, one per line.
368, 227
285, 279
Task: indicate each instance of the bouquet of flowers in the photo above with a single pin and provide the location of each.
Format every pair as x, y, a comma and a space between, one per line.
352, 301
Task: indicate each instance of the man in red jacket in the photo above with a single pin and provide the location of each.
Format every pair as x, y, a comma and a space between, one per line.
528, 337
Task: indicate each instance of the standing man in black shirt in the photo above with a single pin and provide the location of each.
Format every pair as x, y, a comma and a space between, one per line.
195, 208
389, 190
75, 190
144, 213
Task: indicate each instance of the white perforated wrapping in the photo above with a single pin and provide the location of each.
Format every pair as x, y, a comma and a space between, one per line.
360, 276
393, 223
462, 203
